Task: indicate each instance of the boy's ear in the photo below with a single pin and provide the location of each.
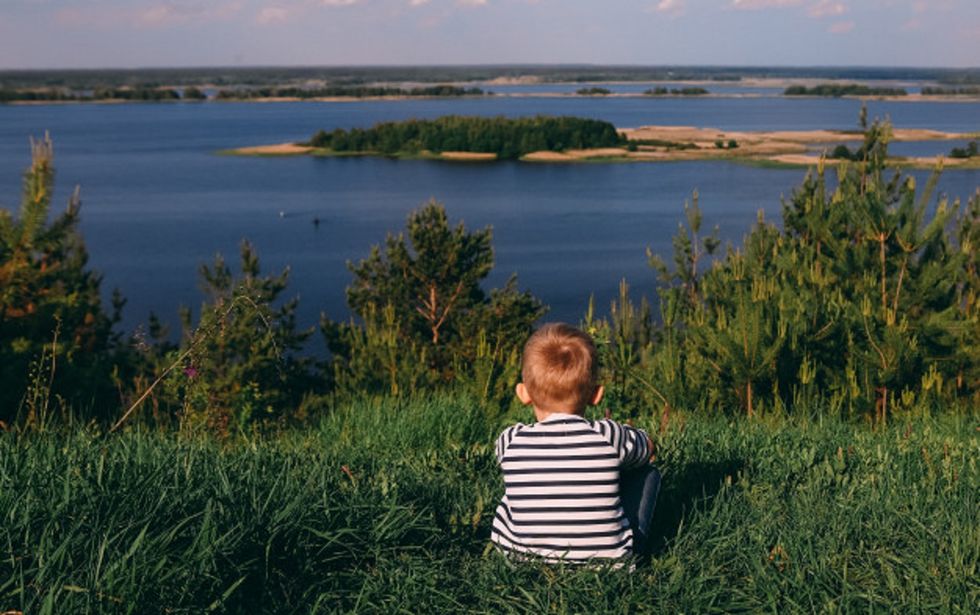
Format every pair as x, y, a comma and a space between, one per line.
522, 394
597, 396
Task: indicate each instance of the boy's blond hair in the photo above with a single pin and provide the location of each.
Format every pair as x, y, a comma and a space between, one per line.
559, 367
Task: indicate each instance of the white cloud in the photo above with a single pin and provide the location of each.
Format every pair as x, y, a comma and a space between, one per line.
670, 7
827, 8
920, 6
841, 27
472, 2
338, 2
752, 5
174, 13
418, 2
272, 14
164, 14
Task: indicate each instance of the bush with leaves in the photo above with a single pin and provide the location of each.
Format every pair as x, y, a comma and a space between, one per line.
422, 317
240, 366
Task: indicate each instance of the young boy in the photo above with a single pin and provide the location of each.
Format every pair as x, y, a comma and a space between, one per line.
565, 498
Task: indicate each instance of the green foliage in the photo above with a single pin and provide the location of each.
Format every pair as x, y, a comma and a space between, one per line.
193, 93
688, 91
63, 95
387, 507
506, 137
669, 145
863, 297
425, 319
964, 152
347, 92
962, 91
593, 91
55, 337
241, 365
842, 89
842, 152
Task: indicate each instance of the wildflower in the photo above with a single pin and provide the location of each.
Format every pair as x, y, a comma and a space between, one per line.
190, 371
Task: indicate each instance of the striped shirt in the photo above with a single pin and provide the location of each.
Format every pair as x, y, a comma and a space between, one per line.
561, 488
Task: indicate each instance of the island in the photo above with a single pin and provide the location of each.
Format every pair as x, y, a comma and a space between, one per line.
571, 139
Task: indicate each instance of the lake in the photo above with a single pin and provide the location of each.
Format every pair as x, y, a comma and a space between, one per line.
158, 200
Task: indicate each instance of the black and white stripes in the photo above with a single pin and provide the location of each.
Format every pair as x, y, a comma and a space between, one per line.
561, 478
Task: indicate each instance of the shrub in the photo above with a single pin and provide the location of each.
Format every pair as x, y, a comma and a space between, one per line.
863, 301
424, 319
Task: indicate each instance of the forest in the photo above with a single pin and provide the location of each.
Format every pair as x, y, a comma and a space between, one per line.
843, 89
348, 91
131, 94
256, 76
688, 91
508, 138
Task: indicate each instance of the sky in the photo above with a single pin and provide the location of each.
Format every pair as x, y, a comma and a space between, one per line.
145, 33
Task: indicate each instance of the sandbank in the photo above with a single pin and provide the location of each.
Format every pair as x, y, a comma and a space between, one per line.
468, 156
276, 149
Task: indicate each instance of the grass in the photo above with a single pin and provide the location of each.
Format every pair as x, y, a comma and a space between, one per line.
386, 506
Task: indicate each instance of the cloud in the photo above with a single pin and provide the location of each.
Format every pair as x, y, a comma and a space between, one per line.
912, 24
472, 2
273, 14
826, 8
754, 5
670, 7
418, 2
157, 15
186, 12
841, 27
339, 2
920, 6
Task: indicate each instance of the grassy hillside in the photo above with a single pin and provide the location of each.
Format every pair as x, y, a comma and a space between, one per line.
386, 507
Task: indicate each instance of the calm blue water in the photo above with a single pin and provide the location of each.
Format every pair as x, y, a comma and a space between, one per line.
158, 202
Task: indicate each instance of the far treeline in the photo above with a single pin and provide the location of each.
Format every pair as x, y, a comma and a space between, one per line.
508, 138
193, 93
842, 89
862, 301
134, 94
689, 91
347, 92
964, 91
256, 76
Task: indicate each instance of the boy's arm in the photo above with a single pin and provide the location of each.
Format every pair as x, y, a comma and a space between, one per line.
633, 445
503, 441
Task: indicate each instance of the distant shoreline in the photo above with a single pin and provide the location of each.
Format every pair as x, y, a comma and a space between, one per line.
776, 83
784, 148
910, 98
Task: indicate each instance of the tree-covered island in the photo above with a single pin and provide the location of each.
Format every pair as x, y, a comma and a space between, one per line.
506, 138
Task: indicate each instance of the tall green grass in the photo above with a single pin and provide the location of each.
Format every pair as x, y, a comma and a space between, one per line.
386, 507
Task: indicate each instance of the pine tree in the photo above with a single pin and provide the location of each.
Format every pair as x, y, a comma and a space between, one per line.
50, 304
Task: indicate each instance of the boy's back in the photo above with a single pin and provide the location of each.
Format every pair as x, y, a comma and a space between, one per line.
561, 477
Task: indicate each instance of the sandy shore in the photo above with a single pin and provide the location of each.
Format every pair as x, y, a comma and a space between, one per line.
691, 134
277, 149
468, 156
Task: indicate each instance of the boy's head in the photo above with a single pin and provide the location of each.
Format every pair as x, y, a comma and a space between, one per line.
559, 370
